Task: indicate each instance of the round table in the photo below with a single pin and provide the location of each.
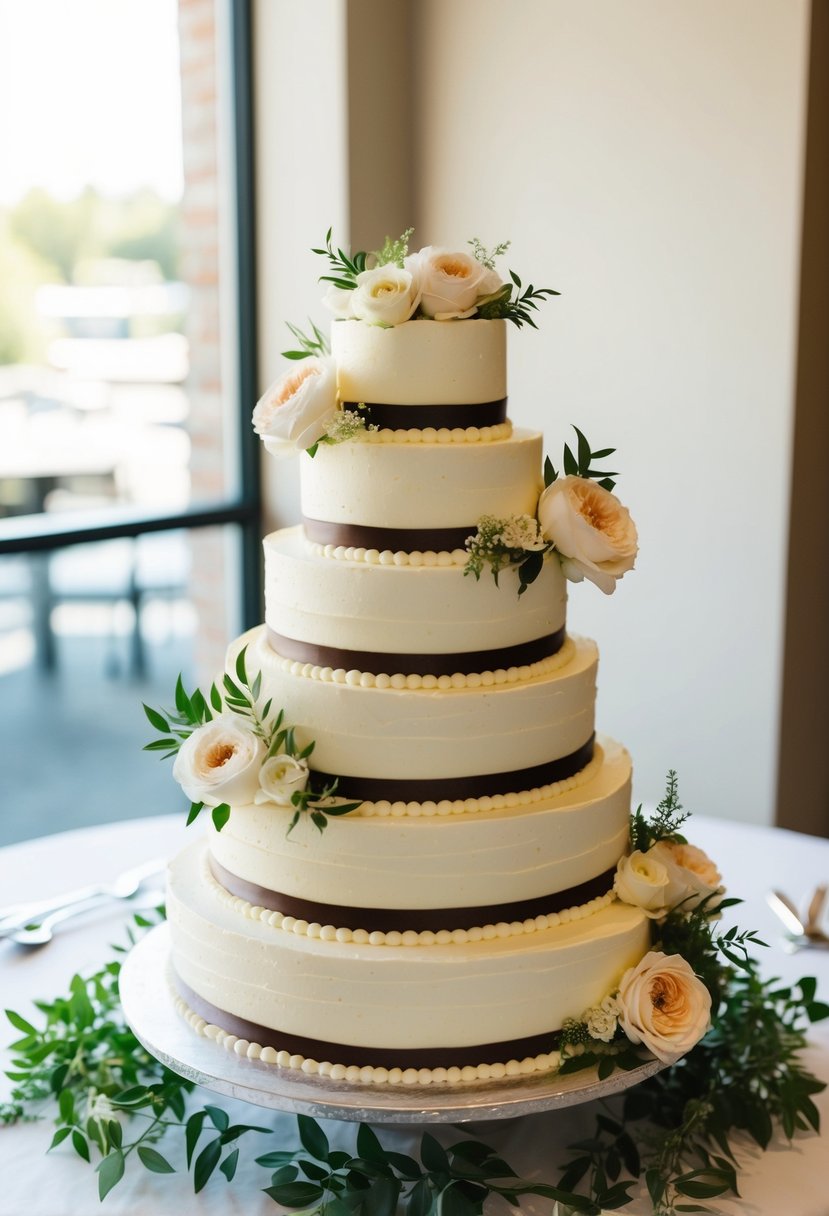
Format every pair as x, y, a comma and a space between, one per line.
786, 1179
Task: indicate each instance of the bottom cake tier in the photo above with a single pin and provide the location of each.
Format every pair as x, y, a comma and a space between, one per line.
386, 1007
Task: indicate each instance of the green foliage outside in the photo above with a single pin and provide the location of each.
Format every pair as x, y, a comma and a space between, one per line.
48, 240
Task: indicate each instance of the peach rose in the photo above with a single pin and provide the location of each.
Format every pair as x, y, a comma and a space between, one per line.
293, 413
663, 1005
692, 875
451, 283
219, 762
591, 530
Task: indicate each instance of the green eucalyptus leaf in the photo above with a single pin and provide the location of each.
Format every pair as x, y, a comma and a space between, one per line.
152, 1160
205, 1164
156, 719
313, 1138
295, 1194
220, 815
110, 1172
228, 1166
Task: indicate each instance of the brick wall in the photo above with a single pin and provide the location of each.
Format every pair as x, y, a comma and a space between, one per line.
199, 268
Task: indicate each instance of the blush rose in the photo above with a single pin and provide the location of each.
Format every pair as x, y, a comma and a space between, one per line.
663, 1005
293, 413
451, 284
593, 533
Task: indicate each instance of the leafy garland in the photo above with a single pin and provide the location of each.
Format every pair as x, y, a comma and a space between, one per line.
673, 1132
241, 696
518, 542
512, 302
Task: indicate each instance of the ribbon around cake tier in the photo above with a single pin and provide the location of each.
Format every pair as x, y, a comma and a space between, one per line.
436, 789
403, 417
377, 663
378, 1057
409, 540
402, 919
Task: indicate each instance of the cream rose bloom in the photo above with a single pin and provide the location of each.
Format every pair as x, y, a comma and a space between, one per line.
692, 875
663, 1005
591, 530
451, 283
339, 301
642, 880
386, 295
293, 413
220, 762
279, 778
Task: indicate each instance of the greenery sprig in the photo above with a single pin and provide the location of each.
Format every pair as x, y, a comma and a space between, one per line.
395, 250
487, 256
241, 696
515, 303
115, 1104
507, 543
344, 267
314, 345
664, 824
580, 464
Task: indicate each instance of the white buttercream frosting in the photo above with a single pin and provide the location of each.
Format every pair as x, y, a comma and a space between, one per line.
421, 362
422, 485
482, 859
400, 733
442, 434
383, 606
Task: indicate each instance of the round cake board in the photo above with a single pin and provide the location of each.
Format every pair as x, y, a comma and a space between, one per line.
149, 1008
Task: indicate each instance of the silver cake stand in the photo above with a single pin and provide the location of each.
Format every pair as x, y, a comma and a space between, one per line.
149, 1009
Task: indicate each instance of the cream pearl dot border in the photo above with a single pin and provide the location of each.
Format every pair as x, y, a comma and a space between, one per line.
368, 1075
409, 937
387, 557
488, 802
443, 434
415, 683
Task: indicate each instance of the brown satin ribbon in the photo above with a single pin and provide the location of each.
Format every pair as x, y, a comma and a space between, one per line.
479, 785
417, 664
402, 417
378, 1057
328, 532
400, 919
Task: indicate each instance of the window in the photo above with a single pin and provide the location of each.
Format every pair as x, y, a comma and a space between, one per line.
129, 519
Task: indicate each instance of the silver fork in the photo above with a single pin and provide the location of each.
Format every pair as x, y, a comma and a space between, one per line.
123, 887
41, 933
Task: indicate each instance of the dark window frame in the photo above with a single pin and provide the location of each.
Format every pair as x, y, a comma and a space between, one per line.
38, 534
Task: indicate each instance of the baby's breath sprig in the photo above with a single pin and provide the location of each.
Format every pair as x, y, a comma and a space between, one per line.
315, 345
346, 424
395, 250
499, 543
487, 256
345, 267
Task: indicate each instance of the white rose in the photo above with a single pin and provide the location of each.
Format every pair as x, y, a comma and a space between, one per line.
339, 301
664, 1005
591, 530
386, 295
451, 283
692, 875
602, 1019
294, 412
279, 777
220, 762
642, 880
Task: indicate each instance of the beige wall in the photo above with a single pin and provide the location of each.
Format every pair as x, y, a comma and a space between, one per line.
645, 158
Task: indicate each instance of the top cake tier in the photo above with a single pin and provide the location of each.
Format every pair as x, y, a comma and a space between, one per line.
429, 373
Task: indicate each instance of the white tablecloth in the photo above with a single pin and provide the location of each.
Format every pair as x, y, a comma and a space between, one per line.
785, 1181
